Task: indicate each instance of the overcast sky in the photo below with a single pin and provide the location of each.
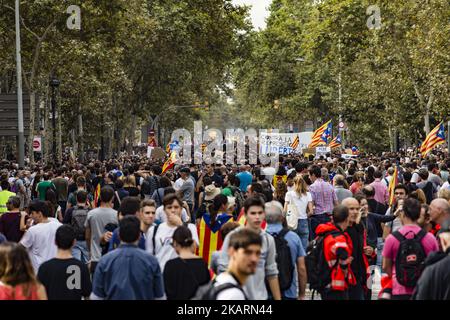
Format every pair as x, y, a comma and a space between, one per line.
259, 11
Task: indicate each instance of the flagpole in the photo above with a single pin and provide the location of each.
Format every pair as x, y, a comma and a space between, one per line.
448, 137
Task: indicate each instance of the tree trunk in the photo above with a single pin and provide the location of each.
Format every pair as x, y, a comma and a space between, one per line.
131, 135
32, 124
59, 145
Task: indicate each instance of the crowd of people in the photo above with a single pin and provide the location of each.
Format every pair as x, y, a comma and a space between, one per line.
124, 230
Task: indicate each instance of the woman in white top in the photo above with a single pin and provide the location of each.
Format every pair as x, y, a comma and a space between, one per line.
301, 198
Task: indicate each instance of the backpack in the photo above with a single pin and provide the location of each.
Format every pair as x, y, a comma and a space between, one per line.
410, 259
79, 216
14, 187
284, 260
317, 269
428, 190
210, 292
203, 208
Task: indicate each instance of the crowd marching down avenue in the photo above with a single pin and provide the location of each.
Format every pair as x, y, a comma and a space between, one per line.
316, 227
255, 151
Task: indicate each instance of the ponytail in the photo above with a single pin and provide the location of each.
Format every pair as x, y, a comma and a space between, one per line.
214, 207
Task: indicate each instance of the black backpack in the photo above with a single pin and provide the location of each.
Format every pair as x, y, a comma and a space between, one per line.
79, 216
210, 292
317, 269
428, 190
410, 259
284, 260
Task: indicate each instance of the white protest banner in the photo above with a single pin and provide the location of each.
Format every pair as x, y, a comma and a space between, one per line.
284, 143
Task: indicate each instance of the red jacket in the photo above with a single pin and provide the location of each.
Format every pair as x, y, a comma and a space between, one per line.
338, 251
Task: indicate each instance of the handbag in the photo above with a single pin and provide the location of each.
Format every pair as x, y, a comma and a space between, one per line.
292, 214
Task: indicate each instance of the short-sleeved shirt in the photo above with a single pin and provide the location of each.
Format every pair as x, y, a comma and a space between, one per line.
245, 179
391, 248
96, 220
300, 202
297, 251
163, 248
40, 242
10, 226
65, 279
42, 188
323, 196
128, 273
62, 187
187, 189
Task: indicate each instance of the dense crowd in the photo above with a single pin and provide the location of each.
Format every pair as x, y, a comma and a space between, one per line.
123, 229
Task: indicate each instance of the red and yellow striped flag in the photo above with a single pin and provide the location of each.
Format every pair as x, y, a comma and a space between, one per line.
243, 221
434, 138
317, 137
210, 238
295, 143
170, 162
97, 195
392, 184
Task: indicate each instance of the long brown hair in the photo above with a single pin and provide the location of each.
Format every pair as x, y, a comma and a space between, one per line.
5, 249
280, 190
19, 271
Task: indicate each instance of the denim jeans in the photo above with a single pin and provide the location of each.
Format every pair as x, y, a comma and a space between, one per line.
380, 246
303, 232
316, 220
80, 252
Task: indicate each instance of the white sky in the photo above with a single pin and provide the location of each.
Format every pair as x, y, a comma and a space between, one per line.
259, 11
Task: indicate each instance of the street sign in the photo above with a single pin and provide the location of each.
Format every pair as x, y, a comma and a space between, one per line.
37, 144
341, 125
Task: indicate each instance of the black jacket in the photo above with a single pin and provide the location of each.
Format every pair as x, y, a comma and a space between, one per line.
378, 208
371, 222
434, 283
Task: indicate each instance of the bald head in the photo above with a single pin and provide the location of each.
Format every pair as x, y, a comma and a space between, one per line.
353, 208
439, 210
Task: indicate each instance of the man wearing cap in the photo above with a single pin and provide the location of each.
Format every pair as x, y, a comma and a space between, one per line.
434, 284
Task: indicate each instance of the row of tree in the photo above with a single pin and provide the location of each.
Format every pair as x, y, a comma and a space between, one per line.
320, 59
130, 60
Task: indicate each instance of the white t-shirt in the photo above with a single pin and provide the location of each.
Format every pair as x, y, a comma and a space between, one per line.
228, 294
40, 242
178, 184
300, 202
161, 216
163, 242
446, 185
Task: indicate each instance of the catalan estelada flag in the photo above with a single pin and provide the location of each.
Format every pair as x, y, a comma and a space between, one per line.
97, 195
210, 239
434, 138
277, 178
170, 162
321, 135
295, 143
392, 184
243, 221
336, 142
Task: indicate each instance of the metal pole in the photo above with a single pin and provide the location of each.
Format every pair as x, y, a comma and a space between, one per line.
448, 137
21, 140
54, 125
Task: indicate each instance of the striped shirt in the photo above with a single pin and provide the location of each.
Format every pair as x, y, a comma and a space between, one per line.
323, 195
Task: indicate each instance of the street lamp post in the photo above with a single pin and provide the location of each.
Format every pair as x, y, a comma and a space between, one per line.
54, 83
21, 139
